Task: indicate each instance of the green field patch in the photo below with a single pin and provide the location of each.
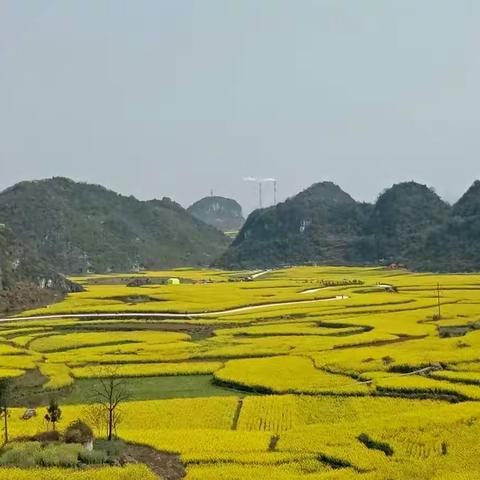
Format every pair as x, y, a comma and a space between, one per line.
153, 388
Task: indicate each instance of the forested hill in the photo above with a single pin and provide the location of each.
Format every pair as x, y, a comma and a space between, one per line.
320, 224
409, 223
223, 213
78, 227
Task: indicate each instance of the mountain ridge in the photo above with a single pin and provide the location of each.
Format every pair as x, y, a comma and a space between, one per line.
80, 227
409, 223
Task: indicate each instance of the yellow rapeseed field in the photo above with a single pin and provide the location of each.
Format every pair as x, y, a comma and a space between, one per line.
317, 372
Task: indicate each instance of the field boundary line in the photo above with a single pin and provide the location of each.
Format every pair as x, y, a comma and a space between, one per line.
236, 415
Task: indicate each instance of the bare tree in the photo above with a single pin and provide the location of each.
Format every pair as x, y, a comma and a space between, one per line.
110, 392
94, 415
5, 390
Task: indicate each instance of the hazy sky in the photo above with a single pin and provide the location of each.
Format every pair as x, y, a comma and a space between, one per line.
174, 98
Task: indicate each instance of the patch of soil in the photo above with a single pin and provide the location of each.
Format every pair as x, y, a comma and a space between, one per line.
166, 465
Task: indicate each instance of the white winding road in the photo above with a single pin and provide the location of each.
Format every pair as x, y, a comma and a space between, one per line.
174, 315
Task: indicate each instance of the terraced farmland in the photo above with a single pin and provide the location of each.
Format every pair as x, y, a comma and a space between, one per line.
309, 372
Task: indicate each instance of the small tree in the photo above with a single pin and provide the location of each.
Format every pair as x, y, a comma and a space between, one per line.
54, 413
5, 391
110, 392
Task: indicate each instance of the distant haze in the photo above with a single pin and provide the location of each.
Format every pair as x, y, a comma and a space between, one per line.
175, 98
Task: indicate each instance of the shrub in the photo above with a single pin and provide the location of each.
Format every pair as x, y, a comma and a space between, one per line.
95, 457
23, 454
78, 432
113, 449
32, 454
60, 455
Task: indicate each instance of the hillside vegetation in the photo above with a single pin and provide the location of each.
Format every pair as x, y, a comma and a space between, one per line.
26, 280
409, 224
77, 227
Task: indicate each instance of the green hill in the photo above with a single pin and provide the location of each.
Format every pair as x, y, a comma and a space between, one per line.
402, 219
78, 227
322, 224
455, 245
409, 223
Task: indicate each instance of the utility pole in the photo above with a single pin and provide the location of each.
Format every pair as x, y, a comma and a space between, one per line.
439, 304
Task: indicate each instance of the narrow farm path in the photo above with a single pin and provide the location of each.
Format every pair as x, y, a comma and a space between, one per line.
174, 315
310, 290
259, 274
236, 416
166, 465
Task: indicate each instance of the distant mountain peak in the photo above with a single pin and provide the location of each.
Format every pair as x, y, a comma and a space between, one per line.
320, 224
469, 203
325, 192
221, 212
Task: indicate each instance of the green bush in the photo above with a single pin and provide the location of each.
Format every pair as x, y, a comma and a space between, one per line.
95, 457
113, 450
78, 432
60, 455
23, 454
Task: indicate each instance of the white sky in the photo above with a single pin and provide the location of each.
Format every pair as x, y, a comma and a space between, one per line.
175, 98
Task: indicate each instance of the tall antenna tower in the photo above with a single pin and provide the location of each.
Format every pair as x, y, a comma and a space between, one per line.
260, 182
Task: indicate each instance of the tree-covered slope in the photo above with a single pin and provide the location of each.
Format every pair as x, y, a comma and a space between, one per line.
220, 212
455, 245
409, 224
78, 227
322, 224
402, 218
